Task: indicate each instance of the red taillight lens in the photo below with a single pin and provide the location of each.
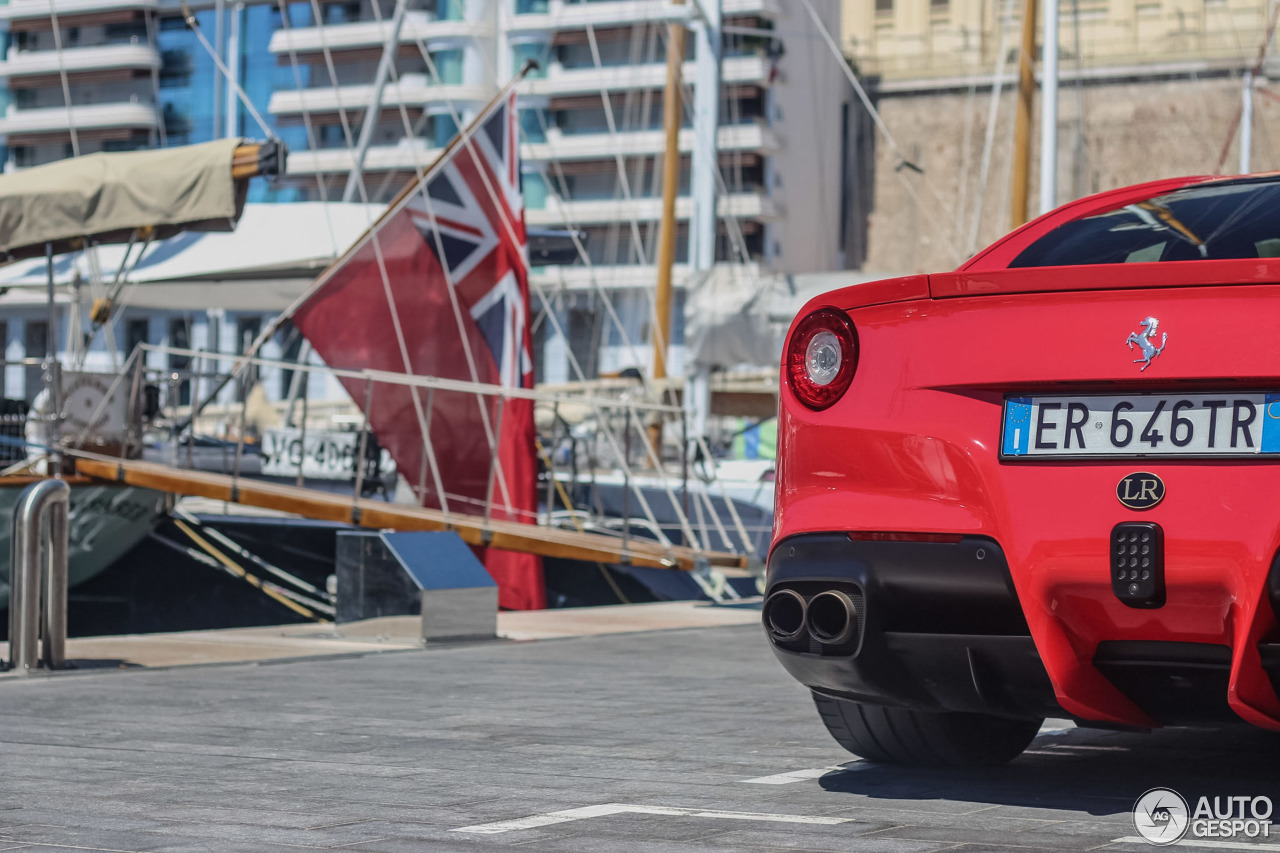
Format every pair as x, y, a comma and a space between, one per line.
821, 358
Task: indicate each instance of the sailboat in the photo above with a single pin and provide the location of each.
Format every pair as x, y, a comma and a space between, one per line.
131, 198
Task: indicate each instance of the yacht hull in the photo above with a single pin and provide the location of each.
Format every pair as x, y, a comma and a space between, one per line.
105, 522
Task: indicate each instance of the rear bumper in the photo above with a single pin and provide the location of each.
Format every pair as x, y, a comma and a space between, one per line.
942, 628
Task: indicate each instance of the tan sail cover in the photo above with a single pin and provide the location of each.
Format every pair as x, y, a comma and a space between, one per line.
106, 197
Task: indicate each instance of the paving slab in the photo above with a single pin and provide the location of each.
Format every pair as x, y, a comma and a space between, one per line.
641, 741
393, 633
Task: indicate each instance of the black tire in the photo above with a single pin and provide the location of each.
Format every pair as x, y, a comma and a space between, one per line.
922, 739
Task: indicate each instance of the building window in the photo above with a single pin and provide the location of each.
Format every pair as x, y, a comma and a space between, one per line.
443, 129
135, 332
341, 13
180, 338
531, 7
448, 65
884, 7
535, 190
247, 331
538, 51
450, 10
35, 340
533, 124
290, 348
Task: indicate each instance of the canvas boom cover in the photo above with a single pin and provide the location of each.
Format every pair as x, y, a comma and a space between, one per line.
439, 287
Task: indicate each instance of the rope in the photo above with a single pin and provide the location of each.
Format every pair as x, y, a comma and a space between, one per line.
573, 516
270, 590
62, 75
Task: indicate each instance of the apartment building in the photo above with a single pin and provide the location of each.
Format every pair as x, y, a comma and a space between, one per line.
915, 40
1148, 89
591, 121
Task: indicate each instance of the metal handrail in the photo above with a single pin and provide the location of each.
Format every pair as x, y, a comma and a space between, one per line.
619, 435
410, 380
45, 499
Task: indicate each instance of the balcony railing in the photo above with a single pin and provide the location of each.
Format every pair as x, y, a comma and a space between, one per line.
412, 90
137, 114
99, 57
559, 15
565, 81
594, 146
417, 26
578, 213
22, 9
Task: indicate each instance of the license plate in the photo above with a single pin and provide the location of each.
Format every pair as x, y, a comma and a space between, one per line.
1142, 425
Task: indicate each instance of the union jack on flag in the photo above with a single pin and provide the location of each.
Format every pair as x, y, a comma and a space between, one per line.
439, 287
471, 209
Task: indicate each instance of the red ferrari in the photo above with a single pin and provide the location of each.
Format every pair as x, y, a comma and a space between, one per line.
1042, 485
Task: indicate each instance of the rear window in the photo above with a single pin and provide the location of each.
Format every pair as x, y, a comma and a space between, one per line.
1215, 221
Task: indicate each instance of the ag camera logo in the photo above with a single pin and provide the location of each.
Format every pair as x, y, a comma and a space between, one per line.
1161, 816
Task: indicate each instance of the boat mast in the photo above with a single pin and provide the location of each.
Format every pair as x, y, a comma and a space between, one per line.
705, 170
1049, 110
672, 106
1246, 122
1022, 126
385, 67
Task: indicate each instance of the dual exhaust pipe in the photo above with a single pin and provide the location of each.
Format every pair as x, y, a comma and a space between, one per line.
829, 617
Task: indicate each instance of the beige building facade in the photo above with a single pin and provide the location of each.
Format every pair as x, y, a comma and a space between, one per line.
1148, 90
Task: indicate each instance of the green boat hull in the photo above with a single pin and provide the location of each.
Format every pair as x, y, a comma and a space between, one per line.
105, 522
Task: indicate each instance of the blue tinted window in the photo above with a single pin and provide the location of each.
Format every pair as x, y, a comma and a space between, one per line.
1208, 221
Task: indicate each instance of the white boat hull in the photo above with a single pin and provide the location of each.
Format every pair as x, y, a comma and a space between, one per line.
105, 522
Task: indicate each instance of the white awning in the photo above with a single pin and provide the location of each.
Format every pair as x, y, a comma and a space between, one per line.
274, 254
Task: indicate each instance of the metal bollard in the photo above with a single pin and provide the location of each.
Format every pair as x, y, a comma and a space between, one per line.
49, 498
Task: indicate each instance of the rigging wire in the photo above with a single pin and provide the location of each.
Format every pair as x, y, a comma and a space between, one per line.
420, 174
345, 121
613, 137
655, 455
610, 309
904, 162
1256, 70
63, 77
966, 146
194, 25
1080, 167
993, 114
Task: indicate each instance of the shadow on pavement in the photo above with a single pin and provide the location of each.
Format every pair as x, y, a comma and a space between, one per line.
1097, 772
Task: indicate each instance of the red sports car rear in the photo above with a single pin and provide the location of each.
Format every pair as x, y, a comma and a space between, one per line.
1044, 484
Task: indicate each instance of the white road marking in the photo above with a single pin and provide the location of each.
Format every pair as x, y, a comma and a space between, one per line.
798, 775
1196, 842
1056, 726
551, 818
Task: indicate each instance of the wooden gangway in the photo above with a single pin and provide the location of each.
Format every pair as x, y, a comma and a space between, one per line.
380, 515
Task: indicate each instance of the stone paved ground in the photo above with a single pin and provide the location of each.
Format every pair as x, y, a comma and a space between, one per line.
398, 751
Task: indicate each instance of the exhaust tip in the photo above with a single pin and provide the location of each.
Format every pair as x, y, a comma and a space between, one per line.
832, 618
784, 615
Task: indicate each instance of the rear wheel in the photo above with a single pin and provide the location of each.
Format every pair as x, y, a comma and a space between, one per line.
902, 736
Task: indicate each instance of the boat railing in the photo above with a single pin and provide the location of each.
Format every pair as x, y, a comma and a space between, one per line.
614, 454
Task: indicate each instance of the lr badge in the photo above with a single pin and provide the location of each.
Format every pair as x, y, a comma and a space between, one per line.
1140, 490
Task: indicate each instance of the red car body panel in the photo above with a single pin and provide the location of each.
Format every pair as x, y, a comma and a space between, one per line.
913, 446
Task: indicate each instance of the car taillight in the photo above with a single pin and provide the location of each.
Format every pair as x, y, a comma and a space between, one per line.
821, 358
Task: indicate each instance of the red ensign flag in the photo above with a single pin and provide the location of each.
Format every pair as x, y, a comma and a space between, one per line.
439, 287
